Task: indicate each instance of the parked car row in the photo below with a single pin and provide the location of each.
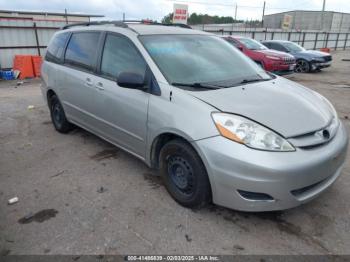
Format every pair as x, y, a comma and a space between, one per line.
281, 57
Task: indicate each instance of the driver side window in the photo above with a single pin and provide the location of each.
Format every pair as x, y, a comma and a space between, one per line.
120, 55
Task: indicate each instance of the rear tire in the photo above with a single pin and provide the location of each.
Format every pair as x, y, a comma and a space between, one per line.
184, 174
58, 117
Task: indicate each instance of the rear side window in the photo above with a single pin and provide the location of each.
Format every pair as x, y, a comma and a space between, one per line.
55, 50
267, 45
233, 42
120, 55
277, 47
81, 50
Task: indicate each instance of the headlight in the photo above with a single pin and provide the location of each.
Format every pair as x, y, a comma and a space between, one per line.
318, 59
273, 57
249, 133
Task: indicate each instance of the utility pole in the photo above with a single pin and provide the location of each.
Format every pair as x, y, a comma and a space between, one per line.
66, 15
262, 20
322, 18
236, 12
235, 19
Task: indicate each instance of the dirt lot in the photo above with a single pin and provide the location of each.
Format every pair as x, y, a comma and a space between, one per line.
58, 180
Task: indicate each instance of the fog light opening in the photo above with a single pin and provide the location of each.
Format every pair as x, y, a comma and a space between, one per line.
254, 196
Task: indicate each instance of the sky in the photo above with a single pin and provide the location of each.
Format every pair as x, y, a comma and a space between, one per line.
156, 9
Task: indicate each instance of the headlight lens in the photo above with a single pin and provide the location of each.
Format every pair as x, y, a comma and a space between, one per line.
273, 57
318, 59
250, 133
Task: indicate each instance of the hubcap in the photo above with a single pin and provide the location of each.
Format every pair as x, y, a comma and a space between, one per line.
181, 174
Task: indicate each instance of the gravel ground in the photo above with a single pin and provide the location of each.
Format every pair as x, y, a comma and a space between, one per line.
82, 195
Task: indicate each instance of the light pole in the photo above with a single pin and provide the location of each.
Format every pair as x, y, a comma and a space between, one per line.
236, 12
262, 20
322, 18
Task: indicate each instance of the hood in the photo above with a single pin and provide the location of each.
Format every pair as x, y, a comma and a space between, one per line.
280, 104
274, 53
312, 54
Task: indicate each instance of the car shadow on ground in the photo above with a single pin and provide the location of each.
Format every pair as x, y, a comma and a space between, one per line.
245, 221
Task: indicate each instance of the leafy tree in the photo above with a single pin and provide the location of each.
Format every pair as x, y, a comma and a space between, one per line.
195, 18
167, 19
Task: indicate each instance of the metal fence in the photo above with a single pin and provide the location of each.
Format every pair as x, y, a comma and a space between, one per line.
32, 37
307, 39
24, 37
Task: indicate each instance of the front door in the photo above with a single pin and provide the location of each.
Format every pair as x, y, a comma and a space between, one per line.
121, 112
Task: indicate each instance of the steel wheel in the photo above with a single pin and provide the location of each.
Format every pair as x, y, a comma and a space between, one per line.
181, 174
58, 116
184, 174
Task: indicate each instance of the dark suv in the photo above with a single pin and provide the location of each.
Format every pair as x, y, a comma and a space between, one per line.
307, 60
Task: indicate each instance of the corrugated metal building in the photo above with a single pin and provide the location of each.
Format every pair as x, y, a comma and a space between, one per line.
30, 32
311, 20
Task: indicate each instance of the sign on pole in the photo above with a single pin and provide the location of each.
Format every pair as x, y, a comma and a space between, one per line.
180, 14
287, 21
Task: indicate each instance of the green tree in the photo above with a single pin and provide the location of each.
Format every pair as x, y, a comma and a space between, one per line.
168, 18
195, 19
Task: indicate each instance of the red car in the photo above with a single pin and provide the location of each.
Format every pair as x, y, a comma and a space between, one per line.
271, 60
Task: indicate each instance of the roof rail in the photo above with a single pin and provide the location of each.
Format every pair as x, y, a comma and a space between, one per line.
178, 25
124, 24
116, 23
150, 22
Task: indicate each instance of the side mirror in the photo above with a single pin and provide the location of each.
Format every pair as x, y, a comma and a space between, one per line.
240, 48
131, 80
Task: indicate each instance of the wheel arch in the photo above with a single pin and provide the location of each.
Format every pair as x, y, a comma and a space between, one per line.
161, 139
261, 63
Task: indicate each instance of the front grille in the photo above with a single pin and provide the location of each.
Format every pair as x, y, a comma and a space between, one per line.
327, 58
317, 138
289, 60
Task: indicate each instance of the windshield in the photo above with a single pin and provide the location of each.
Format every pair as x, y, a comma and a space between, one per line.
252, 44
293, 47
199, 59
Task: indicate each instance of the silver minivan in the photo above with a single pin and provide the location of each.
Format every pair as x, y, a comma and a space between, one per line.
216, 125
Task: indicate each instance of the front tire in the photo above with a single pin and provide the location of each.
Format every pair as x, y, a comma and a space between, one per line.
184, 174
58, 117
302, 66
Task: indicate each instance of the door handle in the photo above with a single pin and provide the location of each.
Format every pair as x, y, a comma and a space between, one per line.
88, 82
99, 86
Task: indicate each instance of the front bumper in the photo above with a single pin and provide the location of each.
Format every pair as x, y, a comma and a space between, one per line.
290, 178
284, 69
320, 65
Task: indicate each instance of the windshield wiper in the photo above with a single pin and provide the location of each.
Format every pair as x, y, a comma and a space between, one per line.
247, 81
197, 85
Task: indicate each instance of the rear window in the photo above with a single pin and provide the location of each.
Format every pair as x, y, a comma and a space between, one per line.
252, 44
55, 50
81, 50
